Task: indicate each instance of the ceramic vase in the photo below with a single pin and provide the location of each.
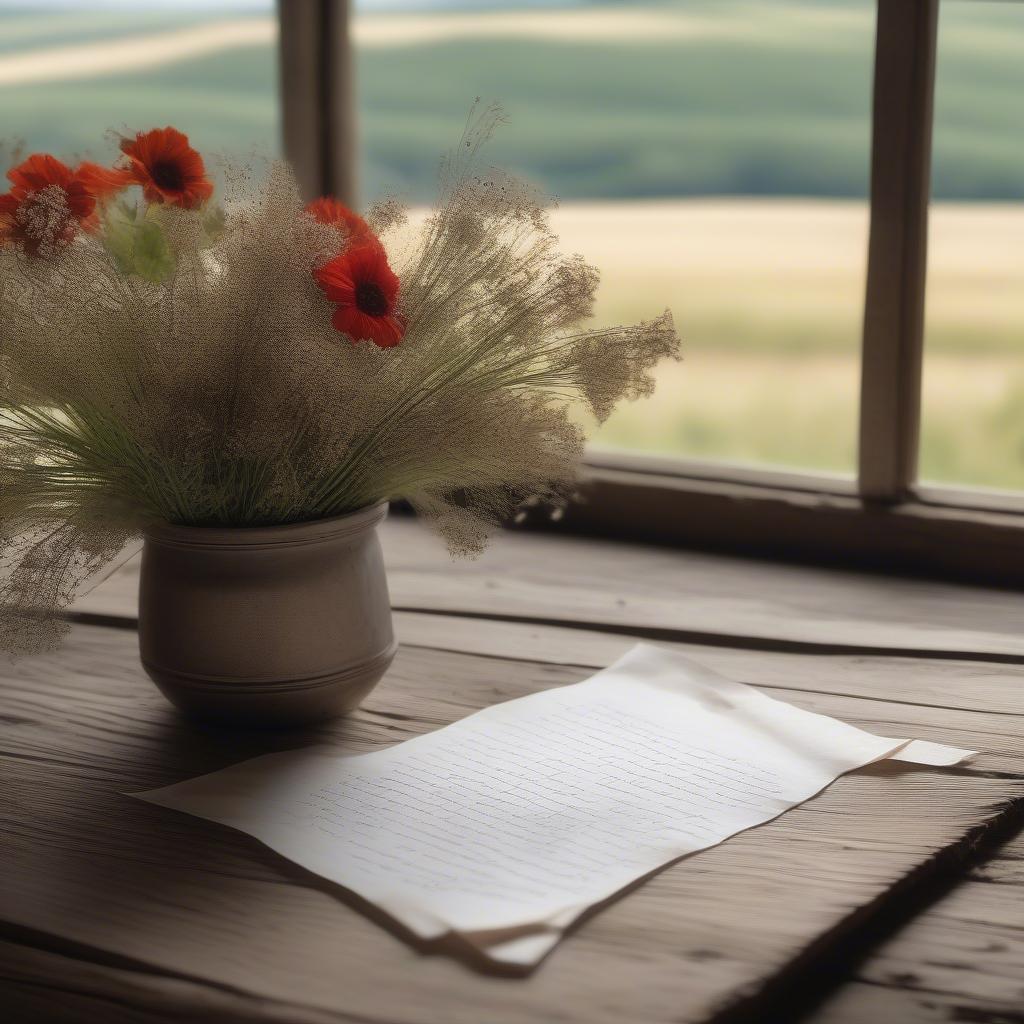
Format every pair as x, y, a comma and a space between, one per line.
278, 626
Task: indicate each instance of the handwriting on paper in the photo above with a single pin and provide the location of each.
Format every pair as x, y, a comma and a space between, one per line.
524, 814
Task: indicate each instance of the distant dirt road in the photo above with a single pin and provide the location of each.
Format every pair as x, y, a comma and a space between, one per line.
133, 53
590, 25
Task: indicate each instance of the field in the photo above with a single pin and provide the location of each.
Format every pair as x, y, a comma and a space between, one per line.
709, 156
768, 294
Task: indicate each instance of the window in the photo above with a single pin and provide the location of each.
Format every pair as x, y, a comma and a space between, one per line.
695, 104
878, 512
712, 157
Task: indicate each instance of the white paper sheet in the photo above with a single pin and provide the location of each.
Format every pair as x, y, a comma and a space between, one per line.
508, 824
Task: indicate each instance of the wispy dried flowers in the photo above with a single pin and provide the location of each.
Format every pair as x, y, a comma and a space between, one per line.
174, 360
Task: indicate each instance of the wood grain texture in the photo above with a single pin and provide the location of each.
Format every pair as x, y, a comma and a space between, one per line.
315, 90
40, 985
901, 142
933, 533
202, 919
961, 961
676, 594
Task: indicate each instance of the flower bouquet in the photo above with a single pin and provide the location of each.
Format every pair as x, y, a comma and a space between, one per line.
244, 382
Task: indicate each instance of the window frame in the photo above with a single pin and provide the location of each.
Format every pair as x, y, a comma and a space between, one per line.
884, 518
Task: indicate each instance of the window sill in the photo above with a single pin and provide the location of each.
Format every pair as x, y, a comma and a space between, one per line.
940, 533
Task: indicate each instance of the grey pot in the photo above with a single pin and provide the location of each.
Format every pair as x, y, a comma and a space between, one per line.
266, 626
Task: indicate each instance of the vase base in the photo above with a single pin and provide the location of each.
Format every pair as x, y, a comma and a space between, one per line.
271, 703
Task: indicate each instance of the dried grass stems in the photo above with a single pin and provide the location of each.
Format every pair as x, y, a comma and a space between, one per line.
219, 393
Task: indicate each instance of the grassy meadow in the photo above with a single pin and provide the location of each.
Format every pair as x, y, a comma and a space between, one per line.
769, 292
708, 155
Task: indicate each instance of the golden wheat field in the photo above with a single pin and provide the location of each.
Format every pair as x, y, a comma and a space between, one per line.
768, 297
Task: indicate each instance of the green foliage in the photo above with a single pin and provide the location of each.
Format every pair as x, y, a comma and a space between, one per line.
151, 257
215, 220
137, 241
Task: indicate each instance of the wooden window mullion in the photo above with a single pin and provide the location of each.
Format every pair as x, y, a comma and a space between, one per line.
890, 402
317, 107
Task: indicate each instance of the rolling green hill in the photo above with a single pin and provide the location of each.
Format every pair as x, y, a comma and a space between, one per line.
745, 98
723, 98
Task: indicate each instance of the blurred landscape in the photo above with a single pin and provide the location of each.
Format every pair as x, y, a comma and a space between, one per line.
708, 156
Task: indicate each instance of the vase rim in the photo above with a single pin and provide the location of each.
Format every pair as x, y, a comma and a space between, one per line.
312, 531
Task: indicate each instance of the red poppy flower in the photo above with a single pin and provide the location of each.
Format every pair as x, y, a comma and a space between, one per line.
46, 205
102, 182
328, 210
167, 167
364, 290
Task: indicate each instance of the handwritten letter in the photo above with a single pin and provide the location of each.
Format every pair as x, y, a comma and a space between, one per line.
508, 824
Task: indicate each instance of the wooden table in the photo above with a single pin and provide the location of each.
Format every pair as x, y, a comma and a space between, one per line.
896, 895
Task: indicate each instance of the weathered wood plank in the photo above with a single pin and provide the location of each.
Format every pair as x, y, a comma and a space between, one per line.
173, 894
968, 685
44, 986
963, 960
606, 584
864, 1003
